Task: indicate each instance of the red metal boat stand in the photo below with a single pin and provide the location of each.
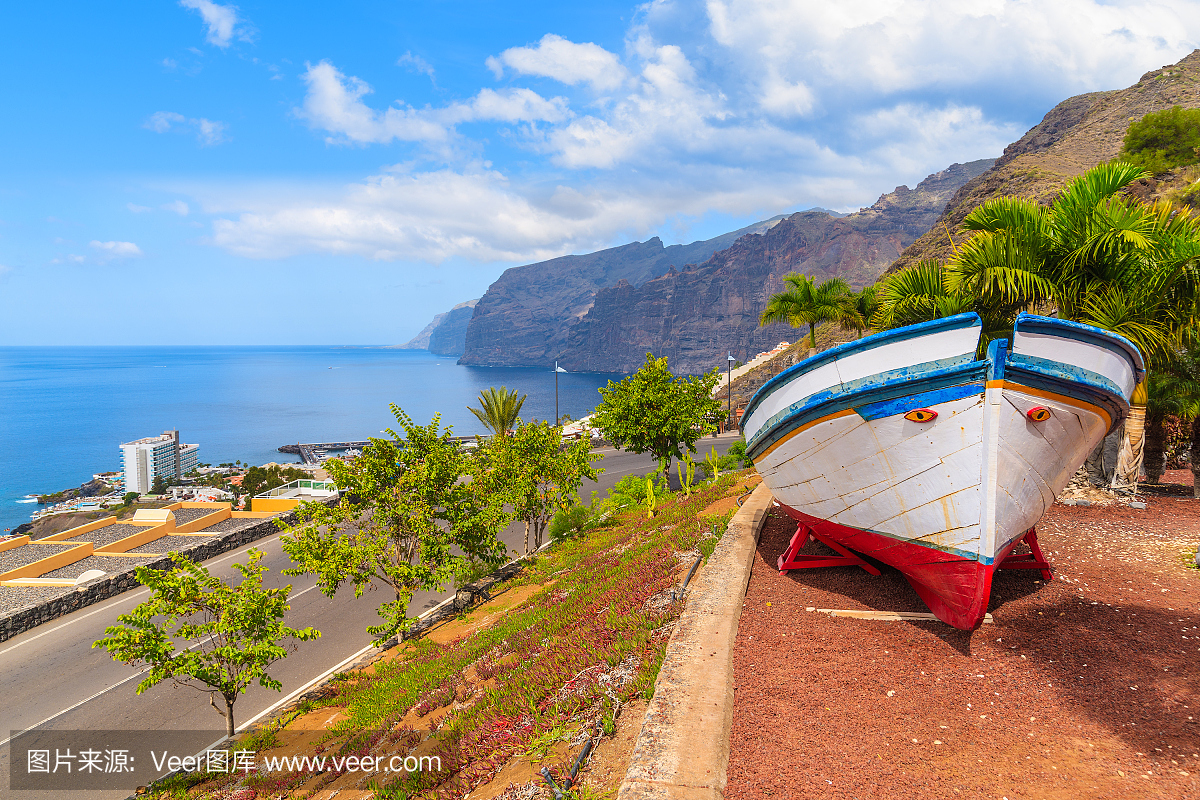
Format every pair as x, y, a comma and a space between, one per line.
791, 558
1031, 560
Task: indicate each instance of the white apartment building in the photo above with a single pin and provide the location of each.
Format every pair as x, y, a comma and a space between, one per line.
146, 459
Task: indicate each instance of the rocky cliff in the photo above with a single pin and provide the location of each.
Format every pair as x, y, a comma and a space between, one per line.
449, 337
696, 315
1074, 136
526, 315
421, 340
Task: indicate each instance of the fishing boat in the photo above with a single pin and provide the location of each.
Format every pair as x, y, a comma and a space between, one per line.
904, 446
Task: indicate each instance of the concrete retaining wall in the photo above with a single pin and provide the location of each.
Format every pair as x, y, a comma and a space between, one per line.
683, 748
22, 619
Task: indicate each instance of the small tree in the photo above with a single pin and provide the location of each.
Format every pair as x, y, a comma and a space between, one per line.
236, 632
415, 512
499, 409
807, 302
538, 475
654, 412
1163, 140
129, 498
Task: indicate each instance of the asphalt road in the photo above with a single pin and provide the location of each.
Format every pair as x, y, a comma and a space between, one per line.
51, 678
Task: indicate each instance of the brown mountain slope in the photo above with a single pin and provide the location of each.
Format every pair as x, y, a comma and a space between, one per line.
697, 315
525, 316
1075, 136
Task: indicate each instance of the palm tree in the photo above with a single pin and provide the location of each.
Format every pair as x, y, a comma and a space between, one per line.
1174, 391
1093, 255
499, 409
1098, 258
862, 306
807, 303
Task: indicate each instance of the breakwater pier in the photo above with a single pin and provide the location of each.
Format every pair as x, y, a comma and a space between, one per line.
314, 453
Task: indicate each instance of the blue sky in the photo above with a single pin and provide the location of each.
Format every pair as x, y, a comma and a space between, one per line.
202, 172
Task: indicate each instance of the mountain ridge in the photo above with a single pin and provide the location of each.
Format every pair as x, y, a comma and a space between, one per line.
697, 315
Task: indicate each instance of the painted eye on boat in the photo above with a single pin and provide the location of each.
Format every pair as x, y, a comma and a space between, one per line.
1038, 413
921, 415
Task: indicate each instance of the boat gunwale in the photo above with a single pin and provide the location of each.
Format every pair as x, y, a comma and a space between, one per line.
835, 399
1081, 332
973, 374
968, 320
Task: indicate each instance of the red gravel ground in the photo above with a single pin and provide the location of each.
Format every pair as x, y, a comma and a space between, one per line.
1084, 687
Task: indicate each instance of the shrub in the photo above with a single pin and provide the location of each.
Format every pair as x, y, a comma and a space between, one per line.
632, 490
573, 521
1164, 140
737, 450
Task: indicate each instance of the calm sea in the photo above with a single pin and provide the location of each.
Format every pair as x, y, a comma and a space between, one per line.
65, 410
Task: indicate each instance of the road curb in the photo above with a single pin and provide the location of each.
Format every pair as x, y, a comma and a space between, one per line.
683, 748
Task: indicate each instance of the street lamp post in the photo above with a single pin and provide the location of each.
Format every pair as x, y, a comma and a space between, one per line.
557, 369
729, 389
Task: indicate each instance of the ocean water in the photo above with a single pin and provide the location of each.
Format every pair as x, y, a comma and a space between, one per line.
65, 410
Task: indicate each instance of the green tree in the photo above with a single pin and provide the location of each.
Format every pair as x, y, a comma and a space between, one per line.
1095, 255
861, 308
263, 479
654, 412
1163, 140
539, 475
130, 498
1174, 391
235, 632
416, 511
807, 303
499, 409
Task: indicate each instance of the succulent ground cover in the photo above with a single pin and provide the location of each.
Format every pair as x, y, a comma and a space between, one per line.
517, 684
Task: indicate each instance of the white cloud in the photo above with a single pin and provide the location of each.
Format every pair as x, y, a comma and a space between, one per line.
208, 132
334, 104
564, 61
743, 107
417, 64
178, 206
221, 21
114, 249
136, 209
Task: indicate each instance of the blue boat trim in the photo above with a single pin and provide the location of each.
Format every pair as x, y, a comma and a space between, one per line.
1113, 403
1115, 342
898, 375
958, 321
902, 405
1067, 372
996, 355
866, 392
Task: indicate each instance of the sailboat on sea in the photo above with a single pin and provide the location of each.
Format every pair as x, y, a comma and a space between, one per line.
905, 447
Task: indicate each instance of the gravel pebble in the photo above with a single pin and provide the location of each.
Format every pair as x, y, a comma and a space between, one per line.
109, 564
14, 597
231, 524
29, 553
186, 515
108, 534
168, 544
1079, 682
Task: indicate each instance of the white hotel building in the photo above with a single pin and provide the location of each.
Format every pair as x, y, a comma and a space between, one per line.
146, 459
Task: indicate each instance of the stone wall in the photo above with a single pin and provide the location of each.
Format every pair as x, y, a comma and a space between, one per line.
22, 619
